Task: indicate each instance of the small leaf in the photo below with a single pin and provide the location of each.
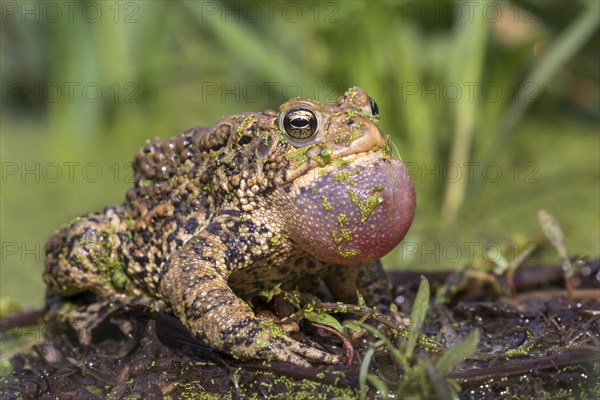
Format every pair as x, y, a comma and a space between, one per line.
361, 299
269, 293
442, 388
502, 264
379, 385
457, 353
93, 389
75, 362
417, 316
553, 232
324, 319
555, 235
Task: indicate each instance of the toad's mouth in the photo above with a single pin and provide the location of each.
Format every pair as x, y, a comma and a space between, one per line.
353, 210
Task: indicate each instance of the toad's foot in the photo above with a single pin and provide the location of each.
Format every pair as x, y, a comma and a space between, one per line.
264, 340
195, 284
221, 320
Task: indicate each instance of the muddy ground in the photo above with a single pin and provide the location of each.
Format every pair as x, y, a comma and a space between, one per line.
535, 344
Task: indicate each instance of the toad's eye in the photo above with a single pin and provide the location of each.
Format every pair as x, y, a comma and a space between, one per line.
374, 108
300, 123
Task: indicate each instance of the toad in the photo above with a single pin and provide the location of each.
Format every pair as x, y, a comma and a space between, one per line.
291, 198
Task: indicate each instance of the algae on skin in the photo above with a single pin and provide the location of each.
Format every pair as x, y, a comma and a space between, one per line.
367, 207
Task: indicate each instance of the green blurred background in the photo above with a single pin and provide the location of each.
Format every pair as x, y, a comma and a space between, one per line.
494, 106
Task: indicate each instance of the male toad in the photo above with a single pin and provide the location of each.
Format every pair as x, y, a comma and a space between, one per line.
222, 213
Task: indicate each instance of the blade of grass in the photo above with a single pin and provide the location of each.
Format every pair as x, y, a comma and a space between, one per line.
398, 357
364, 369
415, 112
79, 120
417, 316
379, 385
457, 353
442, 389
467, 67
246, 43
555, 235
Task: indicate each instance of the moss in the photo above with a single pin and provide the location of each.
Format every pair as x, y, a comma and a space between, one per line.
108, 262
268, 384
269, 330
354, 136
297, 157
367, 207
225, 158
351, 92
384, 150
119, 280
326, 204
342, 219
324, 158
347, 253
340, 162
265, 138
345, 235
525, 348
242, 124
345, 176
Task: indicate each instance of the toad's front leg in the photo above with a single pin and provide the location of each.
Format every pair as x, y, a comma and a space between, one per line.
194, 283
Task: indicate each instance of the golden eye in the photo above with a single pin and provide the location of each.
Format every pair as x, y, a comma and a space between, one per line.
300, 123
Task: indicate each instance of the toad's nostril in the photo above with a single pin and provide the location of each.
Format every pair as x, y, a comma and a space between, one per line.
374, 106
